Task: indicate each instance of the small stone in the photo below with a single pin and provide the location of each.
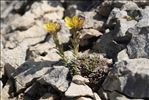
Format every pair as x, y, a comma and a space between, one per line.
122, 55
96, 97
76, 90
84, 98
79, 80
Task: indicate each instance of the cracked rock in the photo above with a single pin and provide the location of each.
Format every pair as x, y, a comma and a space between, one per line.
129, 77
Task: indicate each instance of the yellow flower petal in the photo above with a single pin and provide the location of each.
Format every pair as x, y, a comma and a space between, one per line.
81, 23
75, 21
52, 27
67, 20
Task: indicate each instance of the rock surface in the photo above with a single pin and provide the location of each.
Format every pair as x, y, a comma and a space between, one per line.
79, 80
56, 77
78, 90
129, 77
32, 70
29, 72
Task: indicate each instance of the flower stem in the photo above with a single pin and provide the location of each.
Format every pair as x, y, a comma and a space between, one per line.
75, 42
59, 47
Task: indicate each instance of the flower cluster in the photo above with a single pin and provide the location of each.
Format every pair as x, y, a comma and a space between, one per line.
52, 27
76, 24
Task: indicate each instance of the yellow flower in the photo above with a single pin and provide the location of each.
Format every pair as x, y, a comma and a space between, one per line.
74, 22
52, 27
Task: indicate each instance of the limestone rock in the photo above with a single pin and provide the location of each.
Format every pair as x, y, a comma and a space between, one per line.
29, 72
78, 90
129, 77
140, 40
122, 55
117, 96
79, 80
57, 77
96, 97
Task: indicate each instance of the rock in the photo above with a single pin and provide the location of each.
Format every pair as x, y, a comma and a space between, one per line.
69, 55
119, 19
39, 92
117, 96
36, 54
76, 98
34, 32
93, 23
144, 12
119, 3
79, 80
115, 14
57, 77
103, 94
8, 70
78, 90
87, 34
122, 26
26, 74
44, 10
14, 57
49, 96
129, 77
122, 55
4, 92
96, 97
107, 45
139, 41
105, 8
84, 98
130, 5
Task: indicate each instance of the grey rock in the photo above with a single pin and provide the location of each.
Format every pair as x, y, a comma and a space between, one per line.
123, 25
107, 45
4, 92
39, 91
116, 13
37, 10
35, 32
49, 96
105, 8
57, 77
117, 96
130, 5
138, 46
87, 34
76, 90
79, 80
26, 74
144, 12
45, 53
84, 98
8, 70
129, 77
15, 57
103, 94
96, 97
122, 55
